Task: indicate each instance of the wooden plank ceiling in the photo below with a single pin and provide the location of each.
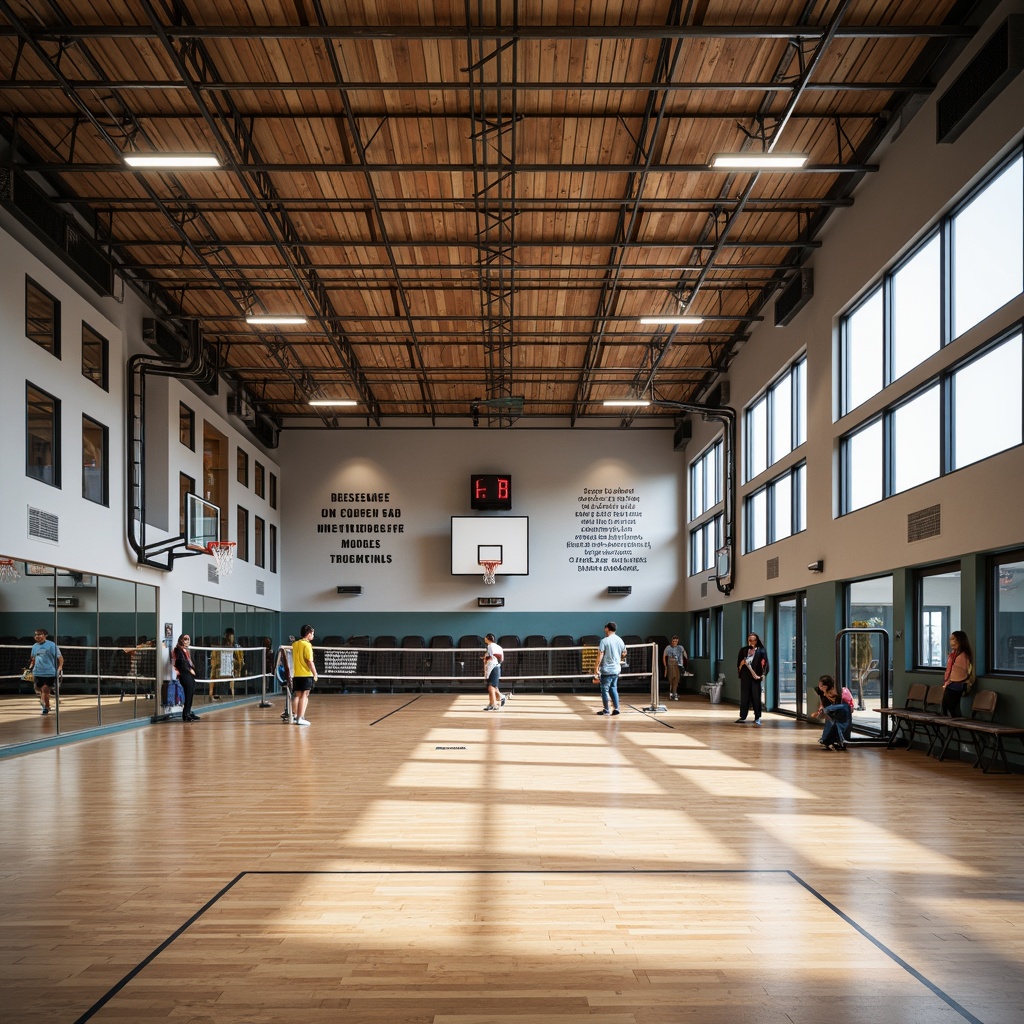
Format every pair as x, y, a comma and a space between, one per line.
472, 203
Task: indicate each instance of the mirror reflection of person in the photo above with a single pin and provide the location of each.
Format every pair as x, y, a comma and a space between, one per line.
225, 666
45, 663
753, 667
674, 660
181, 657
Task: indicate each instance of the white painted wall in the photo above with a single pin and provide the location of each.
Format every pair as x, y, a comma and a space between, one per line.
425, 474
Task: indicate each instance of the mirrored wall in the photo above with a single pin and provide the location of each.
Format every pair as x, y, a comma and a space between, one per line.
106, 631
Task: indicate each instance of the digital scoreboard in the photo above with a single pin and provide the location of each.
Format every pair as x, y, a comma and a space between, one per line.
491, 493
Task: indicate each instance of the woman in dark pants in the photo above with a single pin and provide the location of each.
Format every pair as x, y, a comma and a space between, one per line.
752, 667
187, 676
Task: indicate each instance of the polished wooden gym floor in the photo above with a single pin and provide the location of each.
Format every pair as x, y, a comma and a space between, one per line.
413, 859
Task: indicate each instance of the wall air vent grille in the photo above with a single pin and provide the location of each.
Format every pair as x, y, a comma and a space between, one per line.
703, 590
924, 524
260, 588
994, 66
43, 525
773, 568
212, 576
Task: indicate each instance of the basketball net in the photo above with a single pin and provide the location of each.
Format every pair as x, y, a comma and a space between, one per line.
8, 570
223, 554
489, 568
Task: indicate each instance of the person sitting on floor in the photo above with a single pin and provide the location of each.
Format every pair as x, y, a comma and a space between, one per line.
837, 708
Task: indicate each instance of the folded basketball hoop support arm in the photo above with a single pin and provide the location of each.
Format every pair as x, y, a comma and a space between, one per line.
193, 367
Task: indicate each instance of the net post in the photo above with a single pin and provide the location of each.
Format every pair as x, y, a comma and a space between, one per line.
656, 707
264, 702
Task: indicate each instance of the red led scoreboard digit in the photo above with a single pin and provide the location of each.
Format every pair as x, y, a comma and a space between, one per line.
491, 493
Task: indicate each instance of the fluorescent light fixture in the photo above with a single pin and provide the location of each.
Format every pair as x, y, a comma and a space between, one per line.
333, 401
268, 320
758, 161
165, 161
630, 403
685, 321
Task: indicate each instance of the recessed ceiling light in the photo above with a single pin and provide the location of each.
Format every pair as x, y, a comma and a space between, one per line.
687, 321
758, 161
164, 161
285, 318
333, 401
638, 403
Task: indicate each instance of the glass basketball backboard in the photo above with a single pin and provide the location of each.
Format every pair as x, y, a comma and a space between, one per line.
202, 522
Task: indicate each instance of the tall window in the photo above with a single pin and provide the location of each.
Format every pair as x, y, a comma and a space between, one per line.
272, 546
705, 540
777, 510
988, 248
701, 635
186, 426
95, 477
258, 543
971, 265
950, 423
42, 436
242, 548
938, 614
42, 317
242, 471
756, 620
1006, 590
706, 481
776, 423
272, 499
259, 479
95, 356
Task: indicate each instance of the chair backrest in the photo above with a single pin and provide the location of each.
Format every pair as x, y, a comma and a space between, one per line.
441, 642
933, 701
413, 641
983, 705
385, 640
916, 696
535, 640
471, 641
358, 641
590, 640
562, 640
510, 640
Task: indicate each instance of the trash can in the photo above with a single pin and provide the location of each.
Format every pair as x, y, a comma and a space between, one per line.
715, 692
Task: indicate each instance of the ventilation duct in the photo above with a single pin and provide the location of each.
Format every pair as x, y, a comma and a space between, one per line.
794, 297
994, 66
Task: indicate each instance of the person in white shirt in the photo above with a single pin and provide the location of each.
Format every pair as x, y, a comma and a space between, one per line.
493, 658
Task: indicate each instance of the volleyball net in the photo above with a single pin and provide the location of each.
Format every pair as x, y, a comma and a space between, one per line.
364, 669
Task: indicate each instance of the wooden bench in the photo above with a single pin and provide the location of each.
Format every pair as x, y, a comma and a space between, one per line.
922, 709
986, 736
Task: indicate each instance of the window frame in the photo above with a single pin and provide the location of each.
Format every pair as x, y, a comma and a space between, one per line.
242, 466
756, 462
104, 468
259, 546
101, 374
241, 533
951, 616
187, 426
54, 463
53, 345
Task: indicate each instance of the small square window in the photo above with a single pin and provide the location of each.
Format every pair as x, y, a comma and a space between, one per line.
94, 357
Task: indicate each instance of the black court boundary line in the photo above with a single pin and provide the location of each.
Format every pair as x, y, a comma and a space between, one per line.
401, 707
863, 932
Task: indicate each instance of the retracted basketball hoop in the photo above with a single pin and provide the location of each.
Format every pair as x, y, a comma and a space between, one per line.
8, 570
223, 554
489, 565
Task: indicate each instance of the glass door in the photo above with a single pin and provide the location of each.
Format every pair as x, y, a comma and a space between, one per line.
787, 684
